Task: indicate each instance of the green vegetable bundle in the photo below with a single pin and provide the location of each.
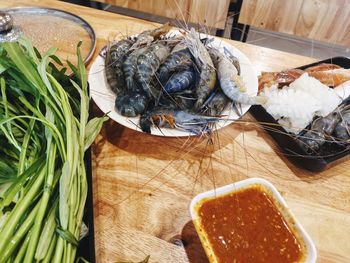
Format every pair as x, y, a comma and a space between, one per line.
44, 133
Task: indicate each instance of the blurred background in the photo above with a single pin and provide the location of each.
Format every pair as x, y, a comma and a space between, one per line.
315, 28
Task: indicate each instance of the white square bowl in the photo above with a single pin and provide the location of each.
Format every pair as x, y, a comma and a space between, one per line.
309, 250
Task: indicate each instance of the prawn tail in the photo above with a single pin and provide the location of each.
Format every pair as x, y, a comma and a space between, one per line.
260, 100
247, 100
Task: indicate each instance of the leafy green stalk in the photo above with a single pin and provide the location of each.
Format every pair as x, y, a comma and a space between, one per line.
19, 210
8, 133
12, 245
22, 250
23, 63
50, 250
47, 234
51, 157
21, 181
47, 115
24, 148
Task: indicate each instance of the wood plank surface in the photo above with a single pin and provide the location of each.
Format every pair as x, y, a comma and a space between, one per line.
208, 13
171, 9
143, 184
203, 12
322, 20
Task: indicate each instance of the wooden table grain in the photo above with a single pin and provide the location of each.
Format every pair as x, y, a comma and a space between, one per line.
143, 184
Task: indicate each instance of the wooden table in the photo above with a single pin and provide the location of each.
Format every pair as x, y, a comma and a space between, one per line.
143, 184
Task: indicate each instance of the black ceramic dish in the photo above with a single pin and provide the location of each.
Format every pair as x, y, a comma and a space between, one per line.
335, 152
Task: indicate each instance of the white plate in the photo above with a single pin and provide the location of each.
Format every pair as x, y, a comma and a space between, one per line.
104, 97
310, 249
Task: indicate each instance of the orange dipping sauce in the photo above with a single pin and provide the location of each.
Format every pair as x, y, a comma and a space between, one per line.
247, 226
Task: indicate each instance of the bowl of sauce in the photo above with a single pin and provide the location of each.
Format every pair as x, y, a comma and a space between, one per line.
249, 221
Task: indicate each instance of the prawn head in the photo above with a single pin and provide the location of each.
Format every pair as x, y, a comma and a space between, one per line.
179, 119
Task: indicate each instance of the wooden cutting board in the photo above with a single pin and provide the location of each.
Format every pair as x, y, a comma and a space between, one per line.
143, 184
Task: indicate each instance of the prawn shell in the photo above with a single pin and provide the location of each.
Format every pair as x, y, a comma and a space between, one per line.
183, 100
132, 104
230, 82
114, 58
130, 68
177, 61
342, 129
215, 103
148, 63
321, 129
180, 81
145, 38
207, 78
205, 85
180, 119
234, 60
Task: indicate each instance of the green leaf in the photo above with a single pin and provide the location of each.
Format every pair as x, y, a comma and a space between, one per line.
73, 68
51, 118
56, 59
23, 63
8, 133
81, 69
3, 68
30, 49
43, 74
64, 194
6, 170
21, 83
93, 128
20, 181
66, 235
50, 52
46, 234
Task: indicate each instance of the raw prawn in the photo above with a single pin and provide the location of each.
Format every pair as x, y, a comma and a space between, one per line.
180, 100
179, 59
321, 129
147, 64
147, 37
115, 56
180, 81
180, 119
130, 68
342, 129
231, 84
135, 100
215, 103
132, 104
207, 78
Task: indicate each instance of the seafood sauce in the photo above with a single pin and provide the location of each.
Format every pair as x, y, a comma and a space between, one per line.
246, 226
